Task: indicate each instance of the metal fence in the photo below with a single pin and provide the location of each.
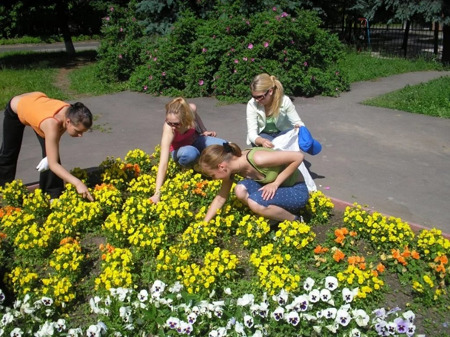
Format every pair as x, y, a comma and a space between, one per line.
417, 41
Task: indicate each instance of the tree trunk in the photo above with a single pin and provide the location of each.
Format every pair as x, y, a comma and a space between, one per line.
405, 38
446, 45
63, 18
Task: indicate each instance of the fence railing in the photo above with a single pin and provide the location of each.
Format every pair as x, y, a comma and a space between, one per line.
398, 40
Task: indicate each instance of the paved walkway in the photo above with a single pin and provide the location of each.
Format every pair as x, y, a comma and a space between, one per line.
394, 162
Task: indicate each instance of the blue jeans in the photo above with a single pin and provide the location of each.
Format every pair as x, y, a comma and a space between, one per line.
291, 198
188, 155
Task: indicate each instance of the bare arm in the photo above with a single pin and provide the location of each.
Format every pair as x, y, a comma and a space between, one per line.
52, 133
219, 200
166, 140
291, 160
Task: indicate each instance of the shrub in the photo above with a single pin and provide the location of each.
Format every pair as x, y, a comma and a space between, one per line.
120, 47
220, 56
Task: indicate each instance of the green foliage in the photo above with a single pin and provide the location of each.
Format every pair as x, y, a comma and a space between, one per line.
220, 57
121, 44
427, 98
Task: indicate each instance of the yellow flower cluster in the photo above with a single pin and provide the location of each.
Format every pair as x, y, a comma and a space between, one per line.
31, 236
140, 158
129, 226
13, 193
431, 242
116, 268
218, 266
319, 207
59, 288
363, 279
381, 231
23, 280
144, 185
67, 258
273, 271
108, 197
293, 234
37, 203
251, 229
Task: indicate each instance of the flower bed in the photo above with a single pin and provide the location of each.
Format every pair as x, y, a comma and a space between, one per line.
143, 269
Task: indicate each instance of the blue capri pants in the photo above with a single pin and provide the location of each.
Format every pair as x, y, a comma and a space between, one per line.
291, 198
187, 155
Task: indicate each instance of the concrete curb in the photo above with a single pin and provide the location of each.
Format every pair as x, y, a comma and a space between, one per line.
340, 205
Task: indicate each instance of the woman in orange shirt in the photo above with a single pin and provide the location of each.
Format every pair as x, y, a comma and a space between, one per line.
50, 119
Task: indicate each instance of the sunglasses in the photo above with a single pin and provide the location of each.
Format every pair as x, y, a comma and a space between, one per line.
260, 97
173, 125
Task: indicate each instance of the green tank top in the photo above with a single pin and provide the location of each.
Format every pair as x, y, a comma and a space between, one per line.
271, 173
270, 127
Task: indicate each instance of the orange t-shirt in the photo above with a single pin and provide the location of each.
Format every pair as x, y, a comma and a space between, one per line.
34, 108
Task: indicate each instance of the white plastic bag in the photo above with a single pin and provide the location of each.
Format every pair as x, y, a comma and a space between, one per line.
289, 142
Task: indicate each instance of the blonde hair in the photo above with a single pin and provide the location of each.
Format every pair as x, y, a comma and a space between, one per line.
264, 82
179, 107
213, 155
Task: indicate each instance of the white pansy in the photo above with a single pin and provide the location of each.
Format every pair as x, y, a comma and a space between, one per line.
143, 295
172, 322
409, 315
6, 319
308, 317
317, 329
314, 296
355, 333
47, 329
213, 333
247, 299
343, 317
329, 313
60, 325
222, 332
278, 313
361, 317
93, 331
239, 328
281, 298
176, 287
47, 301
74, 332
308, 284
293, 318
333, 327
158, 287
17, 332
248, 321
192, 317
227, 291
125, 314
331, 283
325, 295
257, 333
347, 295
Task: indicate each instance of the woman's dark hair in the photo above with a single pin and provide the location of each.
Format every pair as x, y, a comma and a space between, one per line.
79, 113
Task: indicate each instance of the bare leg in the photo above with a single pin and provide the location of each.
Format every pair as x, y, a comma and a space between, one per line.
271, 212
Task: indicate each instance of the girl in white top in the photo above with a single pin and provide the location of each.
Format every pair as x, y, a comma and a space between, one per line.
269, 112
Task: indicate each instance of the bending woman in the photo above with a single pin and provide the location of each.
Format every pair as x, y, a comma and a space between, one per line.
273, 186
270, 113
50, 119
184, 137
